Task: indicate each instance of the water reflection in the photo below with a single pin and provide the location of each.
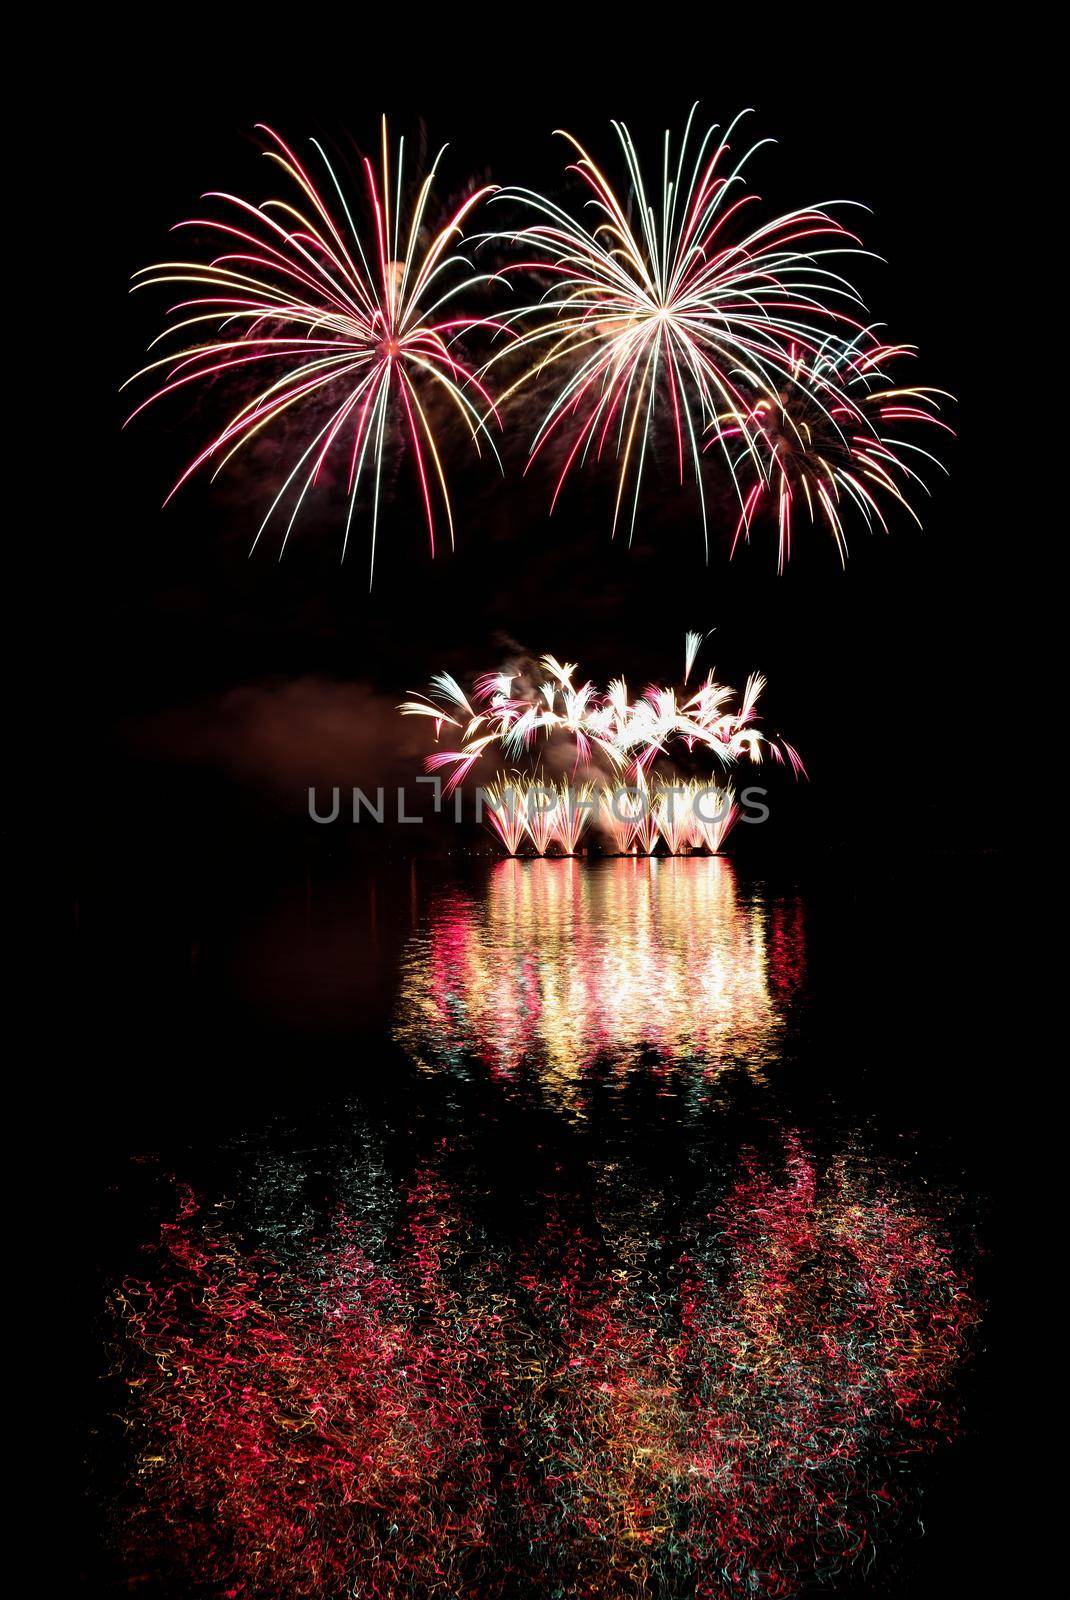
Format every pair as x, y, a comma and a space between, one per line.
444, 1343
378, 1391
560, 963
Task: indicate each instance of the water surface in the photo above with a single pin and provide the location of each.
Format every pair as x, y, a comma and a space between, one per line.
582, 1228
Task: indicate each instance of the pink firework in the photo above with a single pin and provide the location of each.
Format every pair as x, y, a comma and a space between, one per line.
349, 329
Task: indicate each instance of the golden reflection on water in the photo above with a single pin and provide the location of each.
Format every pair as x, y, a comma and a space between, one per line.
560, 963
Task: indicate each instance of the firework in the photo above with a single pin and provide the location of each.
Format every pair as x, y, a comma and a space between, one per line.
545, 718
692, 646
714, 823
514, 807
666, 304
505, 814
352, 331
575, 808
685, 816
843, 456
673, 816
671, 305
617, 818
540, 805
645, 826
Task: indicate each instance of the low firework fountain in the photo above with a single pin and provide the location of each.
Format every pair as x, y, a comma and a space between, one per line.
685, 817
505, 816
575, 808
607, 747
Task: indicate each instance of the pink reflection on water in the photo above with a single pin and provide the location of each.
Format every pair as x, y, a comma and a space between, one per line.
560, 963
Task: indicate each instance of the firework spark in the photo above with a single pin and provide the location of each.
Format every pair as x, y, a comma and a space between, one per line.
354, 331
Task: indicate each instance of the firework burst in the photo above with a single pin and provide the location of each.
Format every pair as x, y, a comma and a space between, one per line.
353, 331
844, 455
674, 306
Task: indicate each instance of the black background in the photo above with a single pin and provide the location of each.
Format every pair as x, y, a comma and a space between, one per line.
903, 680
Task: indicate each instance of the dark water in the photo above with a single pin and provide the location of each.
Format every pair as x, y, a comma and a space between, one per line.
552, 1227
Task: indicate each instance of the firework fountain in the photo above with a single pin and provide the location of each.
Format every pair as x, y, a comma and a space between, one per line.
590, 756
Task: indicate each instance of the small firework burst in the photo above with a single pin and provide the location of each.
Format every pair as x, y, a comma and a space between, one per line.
845, 455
